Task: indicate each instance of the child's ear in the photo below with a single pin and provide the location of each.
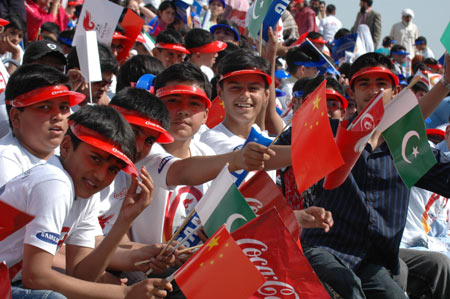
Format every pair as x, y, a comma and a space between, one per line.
206, 116
219, 91
66, 146
14, 116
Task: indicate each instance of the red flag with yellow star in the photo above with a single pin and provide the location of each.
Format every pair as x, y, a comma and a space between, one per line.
216, 113
219, 270
314, 152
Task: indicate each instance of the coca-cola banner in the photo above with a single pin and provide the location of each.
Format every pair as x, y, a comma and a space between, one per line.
268, 244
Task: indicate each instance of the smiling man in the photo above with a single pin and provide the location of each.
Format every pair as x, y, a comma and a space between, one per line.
38, 104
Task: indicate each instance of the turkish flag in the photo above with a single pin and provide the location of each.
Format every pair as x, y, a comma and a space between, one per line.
219, 270
262, 194
351, 141
314, 151
12, 220
5, 283
269, 245
132, 24
216, 113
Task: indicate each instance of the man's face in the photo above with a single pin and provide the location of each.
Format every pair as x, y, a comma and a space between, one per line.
90, 168
168, 57
306, 72
40, 128
187, 113
225, 35
399, 58
243, 96
421, 47
145, 137
407, 19
98, 88
366, 87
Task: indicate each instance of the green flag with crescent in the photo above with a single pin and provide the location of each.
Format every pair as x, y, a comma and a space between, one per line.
257, 13
223, 204
409, 147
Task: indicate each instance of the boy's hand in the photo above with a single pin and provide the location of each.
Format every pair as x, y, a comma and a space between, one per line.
158, 263
270, 50
134, 203
9, 46
76, 79
149, 288
314, 217
252, 157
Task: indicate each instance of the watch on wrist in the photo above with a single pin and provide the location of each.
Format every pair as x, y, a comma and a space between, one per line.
445, 82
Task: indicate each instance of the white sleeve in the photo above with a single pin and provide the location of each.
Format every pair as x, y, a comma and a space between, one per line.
50, 202
84, 233
158, 165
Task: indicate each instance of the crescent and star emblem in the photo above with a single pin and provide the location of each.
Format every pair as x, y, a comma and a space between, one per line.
232, 219
405, 142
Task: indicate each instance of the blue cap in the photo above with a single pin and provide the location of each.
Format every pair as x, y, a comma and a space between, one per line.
215, 27
279, 93
282, 74
223, 2
145, 81
402, 52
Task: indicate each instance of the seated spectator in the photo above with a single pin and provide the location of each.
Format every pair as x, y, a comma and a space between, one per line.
422, 48
169, 48
387, 44
49, 31
10, 40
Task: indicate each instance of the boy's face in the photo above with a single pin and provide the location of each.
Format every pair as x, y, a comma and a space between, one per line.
145, 138
98, 88
225, 35
216, 7
14, 35
187, 113
207, 59
168, 57
40, 128
366, 86
243, 96
335, 109
90, 168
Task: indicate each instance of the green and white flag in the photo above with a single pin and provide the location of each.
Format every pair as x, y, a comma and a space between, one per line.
223, 204
408, 144
257, 12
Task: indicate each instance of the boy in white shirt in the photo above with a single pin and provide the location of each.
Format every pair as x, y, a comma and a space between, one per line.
38, 102
97, 146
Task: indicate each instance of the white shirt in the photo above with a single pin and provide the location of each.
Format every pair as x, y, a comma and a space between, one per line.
15, 159
222, 140
405, 35
328, 27
47, 192
171, 202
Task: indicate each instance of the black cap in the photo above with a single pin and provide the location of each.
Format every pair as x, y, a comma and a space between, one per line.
42, 48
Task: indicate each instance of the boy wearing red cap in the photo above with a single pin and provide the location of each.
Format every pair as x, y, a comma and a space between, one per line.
169, 48
38, 103
99, 143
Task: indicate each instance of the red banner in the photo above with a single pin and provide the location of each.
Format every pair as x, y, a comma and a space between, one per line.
132, 24
12, 219
5, 283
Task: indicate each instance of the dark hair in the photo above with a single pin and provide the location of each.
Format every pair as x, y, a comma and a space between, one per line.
231, 47
135, 67
369, 2
300, 54
331, 8
108, 62
29, 77
16, 22
344, 69
419, 86
65, 36
169, 36
335, 85
421, 39
314, 35
198, 37
165, 5
370, 59
142, 101
341, 33
419, 66
107, 122
243, 59
183, 72
51, 27
232, 25
300, 84
387, 41
396, 48
431, 61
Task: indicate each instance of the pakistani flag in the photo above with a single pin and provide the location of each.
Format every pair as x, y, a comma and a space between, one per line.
223, 203
257, 12
445, 38
409, 146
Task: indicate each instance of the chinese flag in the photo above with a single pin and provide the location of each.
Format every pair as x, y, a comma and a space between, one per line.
12, 220
216, 113
314, 151
219, 270
262, 194
5, 283
288, 273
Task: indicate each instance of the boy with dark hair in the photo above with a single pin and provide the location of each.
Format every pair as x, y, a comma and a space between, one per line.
45, 52
398, 56
370, 208
200, 43
109, 68
49, 31
422, 48
169, 48
97, 146
226, 31
135, 67
10, 39
38, 102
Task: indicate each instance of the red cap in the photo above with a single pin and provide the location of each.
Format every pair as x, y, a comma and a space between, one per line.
99, 141
245, 72
136, 118
174, 47
46, 93
435, 66
118, 35
376, 69
213, 47
75, 3
3, 22
437, 132
333, 94
318, 40
183, 89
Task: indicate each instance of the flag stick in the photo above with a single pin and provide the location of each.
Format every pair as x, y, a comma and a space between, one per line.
90, 92
190, 248
177, 233
260, 40
279, 134
413, 82
323, 56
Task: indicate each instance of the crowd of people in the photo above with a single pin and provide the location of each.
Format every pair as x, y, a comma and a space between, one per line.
111, 169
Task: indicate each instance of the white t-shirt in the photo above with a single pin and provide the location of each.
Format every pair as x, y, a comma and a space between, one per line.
328, 27
171, 204
111, 199
15, 159
46, 191
222, 140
